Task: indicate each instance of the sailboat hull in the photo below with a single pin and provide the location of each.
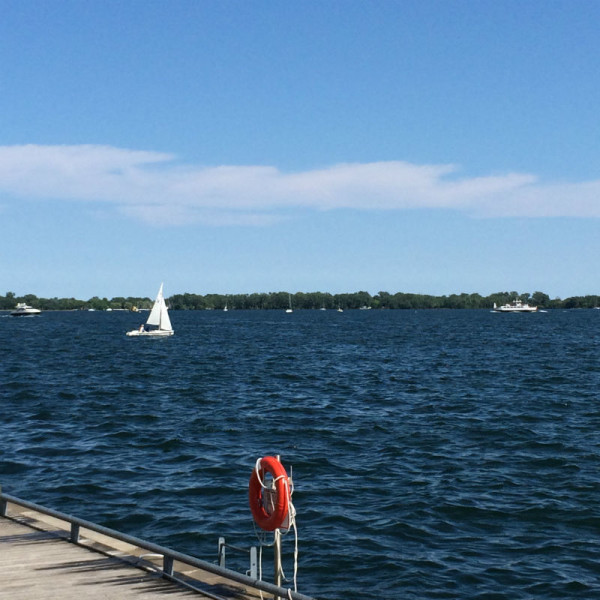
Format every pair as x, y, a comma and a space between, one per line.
156, 333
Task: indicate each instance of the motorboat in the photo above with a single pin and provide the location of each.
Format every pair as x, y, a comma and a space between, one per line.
516, 306
24, 310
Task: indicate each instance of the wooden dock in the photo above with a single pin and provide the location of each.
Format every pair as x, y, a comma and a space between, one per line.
40, 565
39, 561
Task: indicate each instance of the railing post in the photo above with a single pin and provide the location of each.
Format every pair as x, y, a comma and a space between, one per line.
277, 558
74, 533
221, 552
168, 565
253, 563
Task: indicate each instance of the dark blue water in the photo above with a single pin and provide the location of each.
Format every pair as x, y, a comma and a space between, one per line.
435, 454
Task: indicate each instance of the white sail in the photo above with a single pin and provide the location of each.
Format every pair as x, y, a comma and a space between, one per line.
165, 322
155, 313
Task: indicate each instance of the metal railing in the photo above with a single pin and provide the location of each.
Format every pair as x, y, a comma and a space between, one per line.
169, 555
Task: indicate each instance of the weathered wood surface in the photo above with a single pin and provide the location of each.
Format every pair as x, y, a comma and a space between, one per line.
39, 564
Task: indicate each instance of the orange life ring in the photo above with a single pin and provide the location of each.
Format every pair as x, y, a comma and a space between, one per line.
271, 509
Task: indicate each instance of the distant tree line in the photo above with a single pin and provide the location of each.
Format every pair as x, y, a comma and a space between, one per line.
301, 300
10, 301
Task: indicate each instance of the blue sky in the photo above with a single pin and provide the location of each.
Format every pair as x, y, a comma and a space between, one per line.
238, 146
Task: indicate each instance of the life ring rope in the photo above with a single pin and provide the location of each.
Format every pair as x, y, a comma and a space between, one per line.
257, 469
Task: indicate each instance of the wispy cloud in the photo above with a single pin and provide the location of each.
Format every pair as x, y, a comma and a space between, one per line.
157, 188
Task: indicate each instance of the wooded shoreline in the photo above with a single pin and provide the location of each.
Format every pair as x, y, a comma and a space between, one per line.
302, 300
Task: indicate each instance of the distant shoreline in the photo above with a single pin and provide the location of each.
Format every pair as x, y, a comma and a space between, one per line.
303, 301
83, 310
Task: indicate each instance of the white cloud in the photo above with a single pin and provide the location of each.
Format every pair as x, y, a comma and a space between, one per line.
155, 188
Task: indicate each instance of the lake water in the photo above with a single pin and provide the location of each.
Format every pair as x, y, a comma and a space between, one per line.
435, 454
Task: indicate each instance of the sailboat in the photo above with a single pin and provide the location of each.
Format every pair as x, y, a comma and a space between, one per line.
158, 323
289, 310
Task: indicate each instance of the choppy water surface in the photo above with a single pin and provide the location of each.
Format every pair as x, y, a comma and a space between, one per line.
435, 454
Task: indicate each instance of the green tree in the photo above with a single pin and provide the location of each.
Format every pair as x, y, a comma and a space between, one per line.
540, 299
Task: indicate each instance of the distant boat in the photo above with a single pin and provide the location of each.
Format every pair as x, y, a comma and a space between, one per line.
289, 310
340, 309
158, 323
23, 310
516, 306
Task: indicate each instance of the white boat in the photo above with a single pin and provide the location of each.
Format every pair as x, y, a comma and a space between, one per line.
516, 306
23, 310
289, 310
158, 323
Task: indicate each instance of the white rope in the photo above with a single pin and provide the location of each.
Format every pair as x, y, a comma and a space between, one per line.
292, 525
257, 470
260, 568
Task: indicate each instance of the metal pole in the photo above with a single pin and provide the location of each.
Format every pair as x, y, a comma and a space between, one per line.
277, 558
75, 533
253, 563
277, 550
168, 565
222, 552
